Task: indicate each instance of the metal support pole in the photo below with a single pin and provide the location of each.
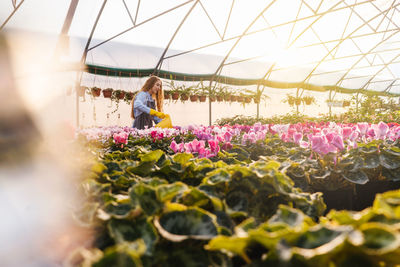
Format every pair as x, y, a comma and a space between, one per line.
258, 103
83, 60
330, 106
12, 14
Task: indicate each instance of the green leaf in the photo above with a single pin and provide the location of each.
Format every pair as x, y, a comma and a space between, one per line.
182, 158
118, 210
389, 161
147, 198
123, 231
126, 254
169, 191
358, 177
379, 238
152, 156
237, 200
393, 175
371, 161
143, 169
236, 245
99, 168
191, 223
394, 151
320, 240
217, 176
289, 216
388, 203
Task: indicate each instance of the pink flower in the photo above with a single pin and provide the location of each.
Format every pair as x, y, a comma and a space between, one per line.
227, 136
363, 127
297, 137
381, 130
121, 138
338, 142
346, 132
213, 146
174, 146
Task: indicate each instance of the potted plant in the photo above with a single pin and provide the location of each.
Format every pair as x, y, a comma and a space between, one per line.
202, 91
291, 100
95, 91
220, 93
167, 94
184, 92
107, 92
118, 94
308, 100
346, 103
129, 96
174, 90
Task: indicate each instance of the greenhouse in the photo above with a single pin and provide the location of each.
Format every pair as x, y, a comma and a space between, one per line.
200, 133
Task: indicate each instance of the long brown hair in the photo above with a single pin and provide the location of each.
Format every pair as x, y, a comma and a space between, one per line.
159, 96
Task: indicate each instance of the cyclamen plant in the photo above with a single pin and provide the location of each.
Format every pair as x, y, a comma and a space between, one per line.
322, 138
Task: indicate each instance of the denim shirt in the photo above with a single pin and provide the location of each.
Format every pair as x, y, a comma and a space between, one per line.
140, 105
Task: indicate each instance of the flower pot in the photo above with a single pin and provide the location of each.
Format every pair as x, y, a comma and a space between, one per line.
247, 99
167, 95
256, 100
194, 98
128, 96
175, 96
346, 103
220, 98
212, 98
307, 101
202, 98
95, 91
240, 98
233, 98
291, 102
107, 93
227, 98
121, 95
184, 97
297, 102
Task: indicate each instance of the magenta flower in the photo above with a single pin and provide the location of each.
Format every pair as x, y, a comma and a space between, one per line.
174, 146
381, 130
338, 142
297, 137
213, 146
363, 127
121, 138
346, 132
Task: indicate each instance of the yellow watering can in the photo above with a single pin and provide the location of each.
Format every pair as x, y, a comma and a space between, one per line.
165, 123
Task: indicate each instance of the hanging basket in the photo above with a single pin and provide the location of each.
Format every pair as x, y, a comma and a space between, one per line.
220, 98
202, 98
167, 95
175, 96
194, 98
107, 92
184, 97
247, 100
233, 98
240, 98
212, 98
297, 101
227, 98
95, 91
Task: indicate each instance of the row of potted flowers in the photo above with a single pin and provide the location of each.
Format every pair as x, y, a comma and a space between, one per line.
321, 138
